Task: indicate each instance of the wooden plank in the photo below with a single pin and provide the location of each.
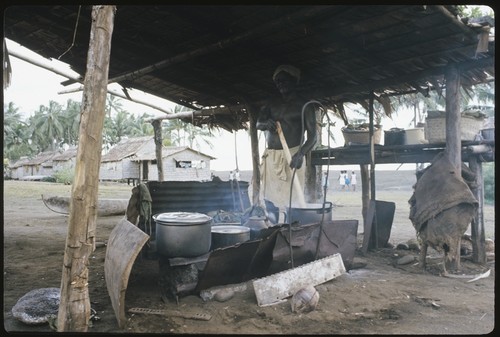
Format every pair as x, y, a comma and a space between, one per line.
201, 316
367, 226
124, 244
274, 288
477, 226
414, 153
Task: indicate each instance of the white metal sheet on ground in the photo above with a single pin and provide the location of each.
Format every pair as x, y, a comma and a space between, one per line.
274, 288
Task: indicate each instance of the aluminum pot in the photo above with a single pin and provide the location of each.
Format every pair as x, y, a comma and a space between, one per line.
182, 234
229, 235
256, 224
312, 213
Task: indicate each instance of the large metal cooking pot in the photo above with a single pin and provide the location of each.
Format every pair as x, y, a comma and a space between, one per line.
182, 234
229, 235
312, 213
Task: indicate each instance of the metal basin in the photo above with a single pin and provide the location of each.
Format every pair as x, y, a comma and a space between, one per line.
229, 235
182, 234
312, 213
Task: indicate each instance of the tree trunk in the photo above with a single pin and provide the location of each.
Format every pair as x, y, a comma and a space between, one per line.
74, 308
159, 146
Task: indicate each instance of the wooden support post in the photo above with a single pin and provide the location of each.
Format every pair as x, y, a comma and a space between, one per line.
159, 146
313, 174
477, 225
365, 189
254, 143
74, 307
453, 136
372, 170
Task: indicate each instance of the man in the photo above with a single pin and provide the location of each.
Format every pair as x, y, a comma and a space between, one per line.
276, 173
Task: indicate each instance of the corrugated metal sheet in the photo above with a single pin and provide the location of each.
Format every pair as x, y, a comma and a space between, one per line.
196, 196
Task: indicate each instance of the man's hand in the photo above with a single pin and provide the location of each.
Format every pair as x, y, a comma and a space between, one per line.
297, 160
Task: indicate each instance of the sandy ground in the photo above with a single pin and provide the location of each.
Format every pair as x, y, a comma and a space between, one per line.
380, 298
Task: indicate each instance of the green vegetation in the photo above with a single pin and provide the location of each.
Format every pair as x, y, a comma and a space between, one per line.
55, 127
64, 176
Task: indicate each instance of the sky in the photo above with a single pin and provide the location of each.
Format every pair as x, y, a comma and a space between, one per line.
32, 86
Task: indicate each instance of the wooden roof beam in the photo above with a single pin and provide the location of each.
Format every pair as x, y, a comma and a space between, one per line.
227, 110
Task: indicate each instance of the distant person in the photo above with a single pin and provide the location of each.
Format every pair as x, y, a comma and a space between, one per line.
347, 181
353, 180
341, 180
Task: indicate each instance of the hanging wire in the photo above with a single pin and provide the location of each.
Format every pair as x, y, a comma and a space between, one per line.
324, 187
74, 33
293, 177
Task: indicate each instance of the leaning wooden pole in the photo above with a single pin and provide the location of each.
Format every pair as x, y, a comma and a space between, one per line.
74, 308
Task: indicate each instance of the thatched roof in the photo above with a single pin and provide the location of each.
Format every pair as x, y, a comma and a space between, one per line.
168, 151
224, 56
137, 149
126, 148
66, 155
42, 158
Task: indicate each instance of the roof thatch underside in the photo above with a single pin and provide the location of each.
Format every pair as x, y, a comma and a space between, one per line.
213, 56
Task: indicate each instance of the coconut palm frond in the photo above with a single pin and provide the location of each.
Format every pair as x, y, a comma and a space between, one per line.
386, 104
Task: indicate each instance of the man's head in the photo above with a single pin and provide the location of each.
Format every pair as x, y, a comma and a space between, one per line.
286, 78
288, 69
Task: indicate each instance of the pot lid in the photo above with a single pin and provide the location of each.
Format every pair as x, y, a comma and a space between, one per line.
328, 205
228, 229
182, 217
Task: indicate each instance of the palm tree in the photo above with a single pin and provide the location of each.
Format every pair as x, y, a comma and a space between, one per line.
48, 128
18, 144
141, 127
16, 134
71, 121
113, 103
11, 118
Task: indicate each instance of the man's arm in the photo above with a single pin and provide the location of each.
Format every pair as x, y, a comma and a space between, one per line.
311, 138
264, 121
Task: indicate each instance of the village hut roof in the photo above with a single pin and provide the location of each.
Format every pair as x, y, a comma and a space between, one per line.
126, 148
220, 59
66, 155
168, 151
42, 158
20, 162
